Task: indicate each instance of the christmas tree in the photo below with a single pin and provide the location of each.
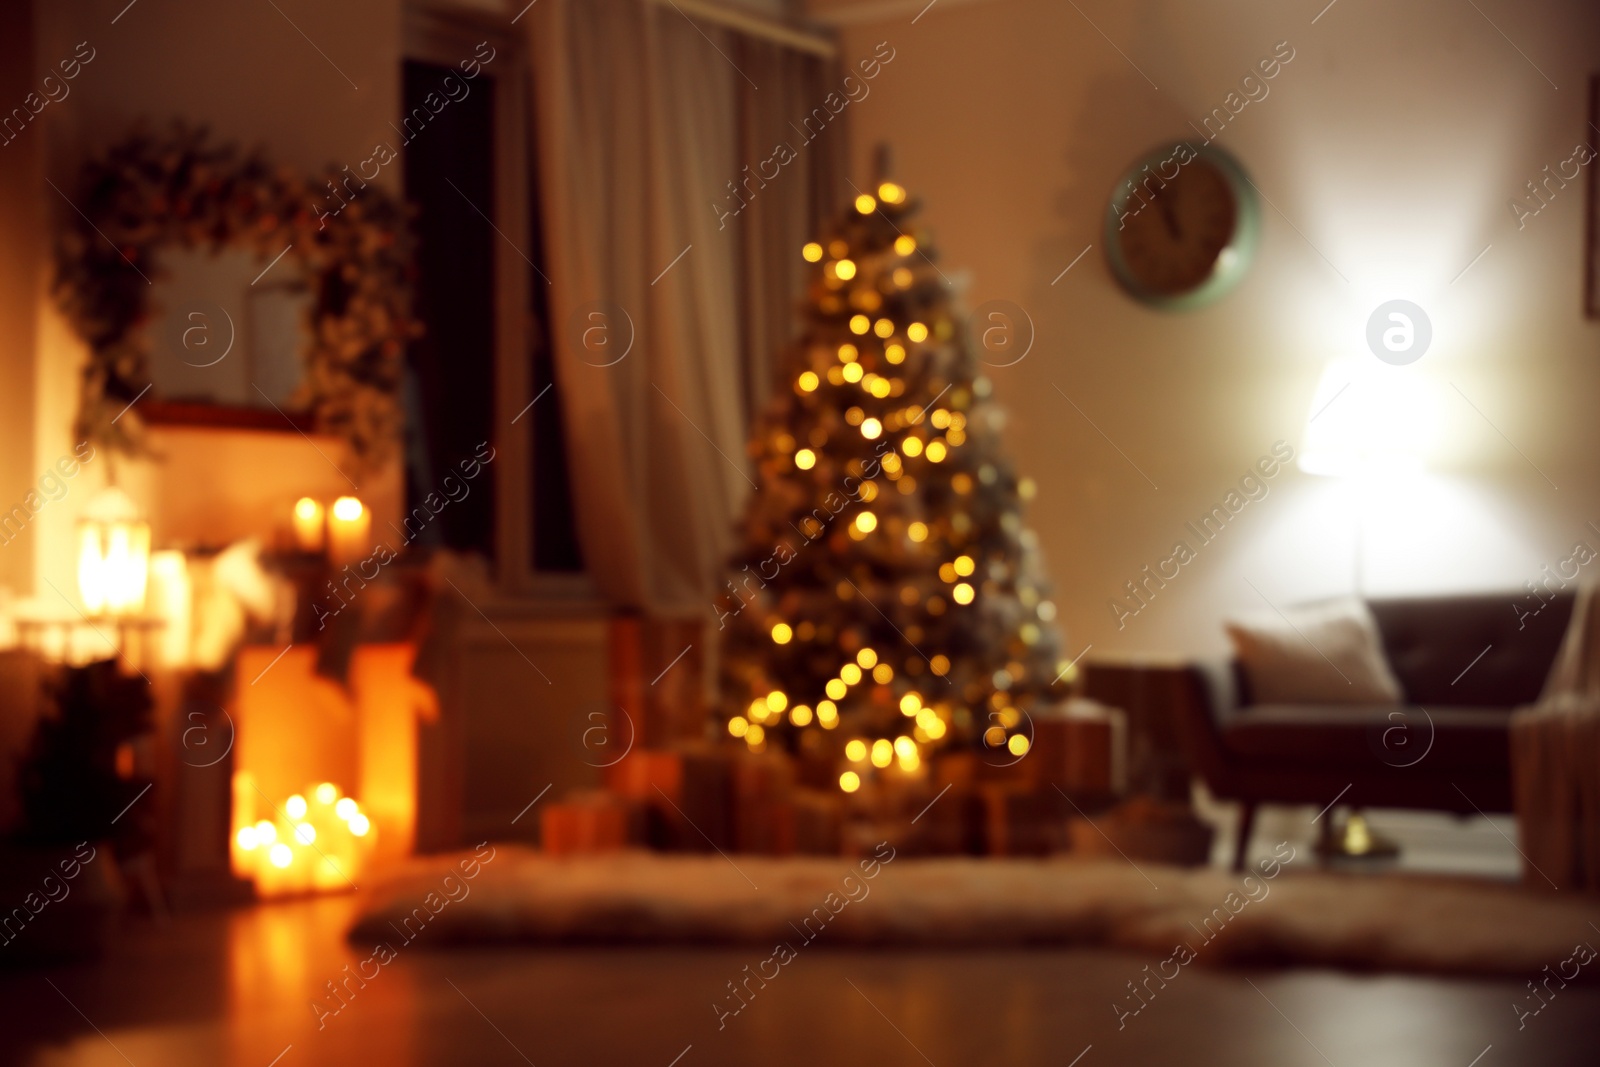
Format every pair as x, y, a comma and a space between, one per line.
886, 600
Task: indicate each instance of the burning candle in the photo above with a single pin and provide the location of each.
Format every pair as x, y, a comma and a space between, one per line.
308, 525
349, 530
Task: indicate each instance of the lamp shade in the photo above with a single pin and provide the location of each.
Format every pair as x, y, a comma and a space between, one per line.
1366, 419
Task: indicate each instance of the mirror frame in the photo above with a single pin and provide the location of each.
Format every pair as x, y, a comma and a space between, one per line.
347, 237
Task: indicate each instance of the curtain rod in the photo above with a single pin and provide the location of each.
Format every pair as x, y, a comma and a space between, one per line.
755, 25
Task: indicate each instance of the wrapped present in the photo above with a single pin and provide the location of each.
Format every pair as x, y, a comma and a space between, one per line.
657, 676
587, 822
763, 811
818, 821
685, 791
1080, 746
1021, 821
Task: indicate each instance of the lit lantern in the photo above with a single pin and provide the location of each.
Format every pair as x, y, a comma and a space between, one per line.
113, 555
308, 516
349, 530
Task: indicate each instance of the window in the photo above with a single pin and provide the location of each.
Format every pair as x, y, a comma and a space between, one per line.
484, 370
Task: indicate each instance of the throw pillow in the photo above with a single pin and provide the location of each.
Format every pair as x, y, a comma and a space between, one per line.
1323, 653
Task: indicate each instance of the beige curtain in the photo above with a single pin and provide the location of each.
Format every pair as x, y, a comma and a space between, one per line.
642, 119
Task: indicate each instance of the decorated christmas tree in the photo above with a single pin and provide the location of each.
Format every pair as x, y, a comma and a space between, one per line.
886, 600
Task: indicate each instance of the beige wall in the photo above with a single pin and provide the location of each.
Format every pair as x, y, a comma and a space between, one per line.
250, 75
21, 241
1389, 146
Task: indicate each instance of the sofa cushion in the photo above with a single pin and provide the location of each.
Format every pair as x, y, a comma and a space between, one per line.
1323, 653
1433, 740
1434, 646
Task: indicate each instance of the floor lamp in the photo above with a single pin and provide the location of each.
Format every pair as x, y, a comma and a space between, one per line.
1362, 430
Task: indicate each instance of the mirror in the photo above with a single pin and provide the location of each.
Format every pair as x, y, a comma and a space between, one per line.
225, 331
213, 288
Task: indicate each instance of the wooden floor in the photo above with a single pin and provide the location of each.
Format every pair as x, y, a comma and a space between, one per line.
237, 988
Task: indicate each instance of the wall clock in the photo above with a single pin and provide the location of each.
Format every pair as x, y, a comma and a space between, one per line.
1181, 226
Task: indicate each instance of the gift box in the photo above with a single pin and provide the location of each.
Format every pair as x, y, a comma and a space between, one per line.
1080, 746
686, 794
1022, 821
657, 677
587, 822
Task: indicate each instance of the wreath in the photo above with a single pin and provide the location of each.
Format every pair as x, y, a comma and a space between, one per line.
148, 193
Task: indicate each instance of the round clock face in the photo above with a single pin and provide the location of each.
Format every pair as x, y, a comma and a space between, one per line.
1181, 226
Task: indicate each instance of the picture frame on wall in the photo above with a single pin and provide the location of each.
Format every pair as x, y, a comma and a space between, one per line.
1591, 243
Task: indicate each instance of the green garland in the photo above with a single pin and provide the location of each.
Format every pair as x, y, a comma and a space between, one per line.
148, 193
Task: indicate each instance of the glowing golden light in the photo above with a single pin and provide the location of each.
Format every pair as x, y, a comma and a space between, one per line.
905, 244
882, 752
809, 381
881, 388
800, 715
738, 725
849, 781
890, 193
963, 565
917, 531
911, 703
845, 269
867, 657
295, 807
305, 833
865, 204
805, 459
777, 700
940, 665
280, 855
359, 825
871, 429
940, 418
827, 714
902, 277
912, 447
851, 372
855, 750
326, 793
883, 674
936, 451
994, 736
266, 833
848, 353
917, 332
246, 837
894, 353
755, 735
812, 252
860, 324
962, 593
866, 522
781, 633
850, 674
1018, 745
883, 328
836, 689
346, 509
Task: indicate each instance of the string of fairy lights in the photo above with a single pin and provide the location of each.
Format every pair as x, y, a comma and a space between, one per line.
911, 612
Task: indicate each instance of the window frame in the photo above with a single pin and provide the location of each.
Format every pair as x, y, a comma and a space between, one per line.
445, 37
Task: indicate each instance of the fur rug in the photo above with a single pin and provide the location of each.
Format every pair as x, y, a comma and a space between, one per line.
1284, 913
